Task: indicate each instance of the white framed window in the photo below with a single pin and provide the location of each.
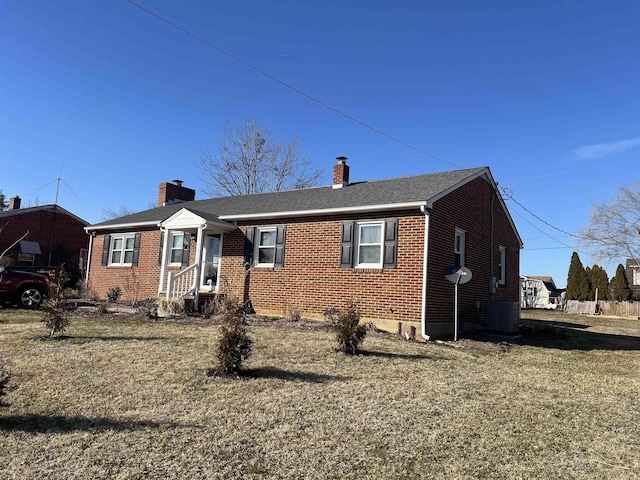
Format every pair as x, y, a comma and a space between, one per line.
503, 265
369, 244
635, 276
265, 253
459, 248
176, 247
121, 249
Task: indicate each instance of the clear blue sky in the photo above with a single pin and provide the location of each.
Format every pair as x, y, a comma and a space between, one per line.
114, 101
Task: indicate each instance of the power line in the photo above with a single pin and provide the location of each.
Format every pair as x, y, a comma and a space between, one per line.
289, 86
506, 191
509, 194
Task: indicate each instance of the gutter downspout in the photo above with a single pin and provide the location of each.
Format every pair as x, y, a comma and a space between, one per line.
86, 276
423, 320
199, 245
163, 264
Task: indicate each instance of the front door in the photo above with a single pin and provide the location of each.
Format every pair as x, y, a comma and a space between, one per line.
211, 262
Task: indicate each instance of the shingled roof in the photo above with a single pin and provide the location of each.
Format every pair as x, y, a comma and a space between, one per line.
355, 196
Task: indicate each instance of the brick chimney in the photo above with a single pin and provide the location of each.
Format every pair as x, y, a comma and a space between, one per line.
14, 203
174, 192
341, 173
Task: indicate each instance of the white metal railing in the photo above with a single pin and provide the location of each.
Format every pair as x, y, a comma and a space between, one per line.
183, 283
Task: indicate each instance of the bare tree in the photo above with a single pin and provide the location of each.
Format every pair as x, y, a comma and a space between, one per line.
109, 213
250, 159
613, 231
3, 203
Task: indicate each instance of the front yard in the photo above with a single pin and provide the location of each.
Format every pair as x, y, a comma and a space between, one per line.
127, 398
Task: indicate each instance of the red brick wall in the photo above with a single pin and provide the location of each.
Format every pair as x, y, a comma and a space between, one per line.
64, 232
137, 283
312, 280
472, 204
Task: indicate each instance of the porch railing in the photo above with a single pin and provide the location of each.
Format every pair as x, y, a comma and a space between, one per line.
183, 283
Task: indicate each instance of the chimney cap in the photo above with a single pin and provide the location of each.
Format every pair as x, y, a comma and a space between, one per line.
342, 159
177, 182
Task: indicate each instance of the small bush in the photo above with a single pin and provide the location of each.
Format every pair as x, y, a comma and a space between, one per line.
292, 314
114, 294
171, 306
349, 333
234, 343
211, 307
55, 307
5, 376
148, 308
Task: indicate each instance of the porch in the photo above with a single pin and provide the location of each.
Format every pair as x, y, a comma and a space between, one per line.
182, 233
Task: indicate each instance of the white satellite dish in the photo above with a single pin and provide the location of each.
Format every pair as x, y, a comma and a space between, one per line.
458, 276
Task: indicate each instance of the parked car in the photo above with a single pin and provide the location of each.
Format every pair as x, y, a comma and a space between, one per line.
25, 289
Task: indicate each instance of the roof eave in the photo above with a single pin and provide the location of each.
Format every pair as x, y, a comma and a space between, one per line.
325, 211
122, 226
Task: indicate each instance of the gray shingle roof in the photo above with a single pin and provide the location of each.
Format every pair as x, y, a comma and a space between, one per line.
418, 188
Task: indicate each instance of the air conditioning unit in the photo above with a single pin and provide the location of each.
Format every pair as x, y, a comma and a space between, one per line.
502, 317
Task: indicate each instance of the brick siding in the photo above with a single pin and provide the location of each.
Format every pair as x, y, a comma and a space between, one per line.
312, 279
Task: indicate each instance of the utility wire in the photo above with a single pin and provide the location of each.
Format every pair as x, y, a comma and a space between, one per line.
507, 192
289, 86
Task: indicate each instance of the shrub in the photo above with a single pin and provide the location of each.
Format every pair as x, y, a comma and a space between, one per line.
148, 308
349, 333
171, 306
114, 294
234, 343
292, 314
5, 376
55, 307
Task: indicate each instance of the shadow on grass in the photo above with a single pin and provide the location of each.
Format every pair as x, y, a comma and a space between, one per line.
288, 375
571, 336
85, 339
62, 424
403, 356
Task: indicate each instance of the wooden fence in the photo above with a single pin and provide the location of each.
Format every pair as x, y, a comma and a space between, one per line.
618, 309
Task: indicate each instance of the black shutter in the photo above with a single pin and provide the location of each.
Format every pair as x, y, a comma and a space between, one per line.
281, 233
161, 248
249, 235
186, 248
390, 243
346, 251
105, 249
136, 250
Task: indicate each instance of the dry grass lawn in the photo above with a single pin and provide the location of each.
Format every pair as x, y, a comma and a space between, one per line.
127, 399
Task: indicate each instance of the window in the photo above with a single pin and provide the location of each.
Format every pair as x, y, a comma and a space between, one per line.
177, 248
264, 246
121, 249
635, 276
503, 265
459, 248
369, 244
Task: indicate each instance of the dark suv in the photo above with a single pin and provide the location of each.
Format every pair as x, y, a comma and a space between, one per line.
25, 289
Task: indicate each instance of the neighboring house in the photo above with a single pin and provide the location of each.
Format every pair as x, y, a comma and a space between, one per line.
53, 236
540, 292
633, 277
383, 244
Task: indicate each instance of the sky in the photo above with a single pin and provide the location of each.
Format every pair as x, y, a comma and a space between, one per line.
112, 100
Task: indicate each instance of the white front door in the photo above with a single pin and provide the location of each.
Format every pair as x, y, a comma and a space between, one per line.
211, 262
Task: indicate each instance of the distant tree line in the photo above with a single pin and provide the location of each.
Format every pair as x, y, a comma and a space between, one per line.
582, 283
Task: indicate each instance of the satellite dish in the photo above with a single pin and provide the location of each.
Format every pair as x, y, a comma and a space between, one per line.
457, 274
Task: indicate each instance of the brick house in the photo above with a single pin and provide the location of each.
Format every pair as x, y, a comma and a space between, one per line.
383, 244
53, 236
